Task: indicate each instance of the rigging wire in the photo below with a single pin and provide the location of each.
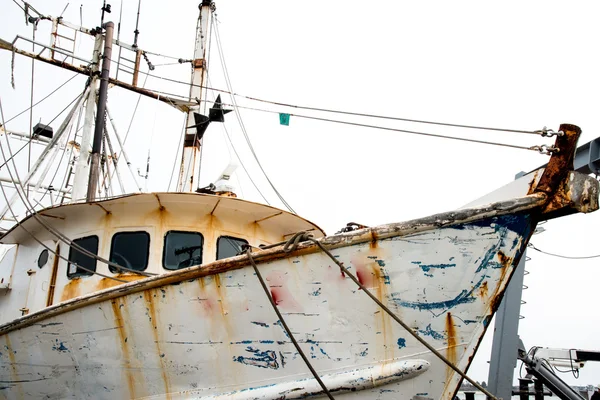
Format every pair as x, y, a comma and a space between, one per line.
530, 245
62, 156
177, 152
29, 208
31, 138
334, 111
57, 254
242, 126
47, 96
540, 149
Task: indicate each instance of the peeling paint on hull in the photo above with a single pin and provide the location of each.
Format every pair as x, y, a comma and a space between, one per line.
217, 335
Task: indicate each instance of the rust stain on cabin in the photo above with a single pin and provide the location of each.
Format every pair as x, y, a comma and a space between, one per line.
451, 350
106, 283
154, 324
120, 323
71, 289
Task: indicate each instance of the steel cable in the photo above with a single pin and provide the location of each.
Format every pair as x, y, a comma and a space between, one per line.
28, 206
284, 324
399, 321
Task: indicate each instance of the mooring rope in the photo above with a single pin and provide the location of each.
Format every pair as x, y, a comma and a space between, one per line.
283, 323
398, 320
292, 244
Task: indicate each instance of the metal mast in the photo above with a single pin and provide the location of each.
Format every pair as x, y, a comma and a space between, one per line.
82, 167
190, 159
100, 114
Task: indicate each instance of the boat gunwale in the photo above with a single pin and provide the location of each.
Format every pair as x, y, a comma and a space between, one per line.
436, 221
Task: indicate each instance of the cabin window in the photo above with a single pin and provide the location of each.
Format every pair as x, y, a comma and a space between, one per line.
90, 243
130, 250
182, 249
228, 246
43, 258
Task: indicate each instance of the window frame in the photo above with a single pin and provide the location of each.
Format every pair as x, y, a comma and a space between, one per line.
165, 248
116, 270
81, 273
228, 237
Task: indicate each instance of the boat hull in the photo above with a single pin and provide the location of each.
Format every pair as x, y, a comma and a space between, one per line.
217, 336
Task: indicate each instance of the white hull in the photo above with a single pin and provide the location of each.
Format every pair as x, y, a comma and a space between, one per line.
217, 336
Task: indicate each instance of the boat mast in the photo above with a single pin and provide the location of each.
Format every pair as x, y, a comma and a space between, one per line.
100, 114
190, 159
82, 167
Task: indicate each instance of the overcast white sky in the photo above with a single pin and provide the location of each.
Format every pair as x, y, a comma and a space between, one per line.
519, 65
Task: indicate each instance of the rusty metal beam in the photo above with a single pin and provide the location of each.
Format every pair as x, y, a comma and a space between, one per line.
176, 103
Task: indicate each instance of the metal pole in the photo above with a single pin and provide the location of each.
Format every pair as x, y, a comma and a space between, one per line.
506, 334
99, 128
82, 166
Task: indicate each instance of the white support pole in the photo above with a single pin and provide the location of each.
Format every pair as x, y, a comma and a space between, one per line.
82, 167
123, 152
45, 152
190, 159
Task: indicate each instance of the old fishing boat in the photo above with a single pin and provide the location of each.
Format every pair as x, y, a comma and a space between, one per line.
205, 295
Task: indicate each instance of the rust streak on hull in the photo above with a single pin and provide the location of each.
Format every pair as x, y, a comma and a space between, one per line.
155, 323
120, 322
451, 350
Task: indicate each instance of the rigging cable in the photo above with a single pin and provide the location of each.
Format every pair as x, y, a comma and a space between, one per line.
543, 149
28, 206
561, 256
30, 139
284, 324
542, 132
62, 156
48, 95
394, 316
57, 254
242, 126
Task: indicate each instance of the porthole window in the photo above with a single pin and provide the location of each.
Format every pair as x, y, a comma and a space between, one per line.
130, 250
43, 258
228, 246
182, 249
90, 243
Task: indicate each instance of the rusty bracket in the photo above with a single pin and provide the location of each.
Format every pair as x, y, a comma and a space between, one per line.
199, 63
567, 191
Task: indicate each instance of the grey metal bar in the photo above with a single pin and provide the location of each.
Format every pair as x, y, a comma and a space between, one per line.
506, 335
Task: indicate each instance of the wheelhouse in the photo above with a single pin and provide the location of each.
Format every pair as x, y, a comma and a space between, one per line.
153, 233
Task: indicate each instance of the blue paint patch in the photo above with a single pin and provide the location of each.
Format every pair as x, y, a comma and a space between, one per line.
380, 262
253, 341
263, 324
429, 275
386, 279
316, 292
401, 343
469, 321
462, 298
428, 267
428, 331
364, 353
60, 347
261, 359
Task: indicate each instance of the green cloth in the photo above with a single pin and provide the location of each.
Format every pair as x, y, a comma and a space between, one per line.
284, 119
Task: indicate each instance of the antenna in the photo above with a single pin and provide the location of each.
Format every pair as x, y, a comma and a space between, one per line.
137, 21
